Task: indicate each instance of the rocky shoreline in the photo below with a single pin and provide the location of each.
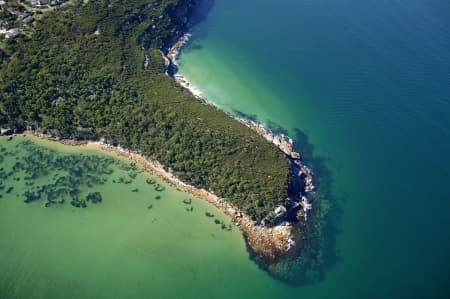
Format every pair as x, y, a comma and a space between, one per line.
283, 142
268, 243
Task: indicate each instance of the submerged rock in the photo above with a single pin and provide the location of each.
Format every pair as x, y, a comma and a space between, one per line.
31, 196
94, 197
159, 188
75, 202
150, 181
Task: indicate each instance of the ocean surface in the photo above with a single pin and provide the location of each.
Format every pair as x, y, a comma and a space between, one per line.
364, 89
142, 244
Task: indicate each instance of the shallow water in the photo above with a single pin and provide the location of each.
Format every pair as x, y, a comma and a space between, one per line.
118, 248
368, 85
366, 81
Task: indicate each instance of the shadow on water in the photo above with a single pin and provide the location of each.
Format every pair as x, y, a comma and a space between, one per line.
318, 252
329, 215
240, 114
276, 128
201, 11
197, 14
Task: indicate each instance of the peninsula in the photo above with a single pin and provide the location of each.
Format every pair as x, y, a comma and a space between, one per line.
102, 71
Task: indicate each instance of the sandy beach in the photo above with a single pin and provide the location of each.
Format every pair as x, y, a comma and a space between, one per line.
268, 243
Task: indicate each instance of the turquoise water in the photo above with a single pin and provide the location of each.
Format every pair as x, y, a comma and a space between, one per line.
367, 83
118, 248
363, 86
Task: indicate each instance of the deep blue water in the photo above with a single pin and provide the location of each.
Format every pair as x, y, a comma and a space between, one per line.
368, 84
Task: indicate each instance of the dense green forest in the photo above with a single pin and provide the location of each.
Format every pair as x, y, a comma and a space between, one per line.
82, 74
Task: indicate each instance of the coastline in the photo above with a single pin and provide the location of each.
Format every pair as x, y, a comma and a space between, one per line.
268, 243
301, 172
282, 141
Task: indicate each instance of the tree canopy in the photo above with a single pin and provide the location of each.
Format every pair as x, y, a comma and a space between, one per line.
82, 74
